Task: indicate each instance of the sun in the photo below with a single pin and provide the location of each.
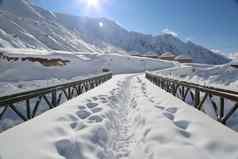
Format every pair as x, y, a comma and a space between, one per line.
100, 24
93, 3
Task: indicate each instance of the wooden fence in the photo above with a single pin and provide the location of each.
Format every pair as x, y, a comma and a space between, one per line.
200, 95
27, 105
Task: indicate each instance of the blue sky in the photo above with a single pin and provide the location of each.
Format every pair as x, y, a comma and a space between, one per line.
211, 23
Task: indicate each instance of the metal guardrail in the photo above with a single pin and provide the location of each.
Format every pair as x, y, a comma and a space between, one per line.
199, 95
29, 102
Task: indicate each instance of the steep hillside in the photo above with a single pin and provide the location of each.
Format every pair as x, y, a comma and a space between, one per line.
24, 25
91, 32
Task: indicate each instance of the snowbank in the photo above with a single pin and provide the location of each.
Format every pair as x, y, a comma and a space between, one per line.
222, 76
127, 117
24, 75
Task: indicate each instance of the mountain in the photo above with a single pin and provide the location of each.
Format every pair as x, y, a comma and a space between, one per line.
23, 25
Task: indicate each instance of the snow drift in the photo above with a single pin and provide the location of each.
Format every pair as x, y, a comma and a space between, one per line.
221, 76
21, 75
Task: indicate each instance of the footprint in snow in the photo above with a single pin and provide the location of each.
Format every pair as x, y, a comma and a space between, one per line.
182, 124
89, 100
96, 110
114, 92
82, 114
95, 119
68, 148
151, 100
62, 147
104, 101
91, 105
102, 96
81, 107
77, 126
159, 107
68, 118
172, 110
184, 133
95, 98
147, 132
169, 115
113, 98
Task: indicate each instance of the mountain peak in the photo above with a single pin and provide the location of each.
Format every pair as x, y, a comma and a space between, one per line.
21, 8
58, 31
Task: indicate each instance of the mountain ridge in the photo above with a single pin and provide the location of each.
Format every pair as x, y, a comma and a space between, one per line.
30, 26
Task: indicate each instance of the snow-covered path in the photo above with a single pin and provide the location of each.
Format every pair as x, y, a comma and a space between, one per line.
125, 118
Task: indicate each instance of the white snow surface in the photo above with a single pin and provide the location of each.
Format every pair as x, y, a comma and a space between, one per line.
16, 76
125, 118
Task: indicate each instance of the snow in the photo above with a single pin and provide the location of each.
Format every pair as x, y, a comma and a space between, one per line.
183, 57
29, 26
221, 76
126, 117
136, 42
24, 75
168, 54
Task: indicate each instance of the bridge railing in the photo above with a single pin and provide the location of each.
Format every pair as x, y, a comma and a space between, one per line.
28, 104
222, 103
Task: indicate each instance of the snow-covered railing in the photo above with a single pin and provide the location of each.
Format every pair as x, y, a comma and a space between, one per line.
222, 103
27, 105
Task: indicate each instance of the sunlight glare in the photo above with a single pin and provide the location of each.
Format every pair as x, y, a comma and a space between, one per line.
93, 3
100, 24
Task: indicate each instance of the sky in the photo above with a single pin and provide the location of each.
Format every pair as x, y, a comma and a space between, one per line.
211, 23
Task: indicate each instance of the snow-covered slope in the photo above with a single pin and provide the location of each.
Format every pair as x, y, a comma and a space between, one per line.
26, 26
222, 76
135, 42
125, 118
22, 74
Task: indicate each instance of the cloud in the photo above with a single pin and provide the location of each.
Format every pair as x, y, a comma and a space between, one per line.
167, 31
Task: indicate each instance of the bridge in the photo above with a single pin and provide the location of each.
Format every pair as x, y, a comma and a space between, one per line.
27, 105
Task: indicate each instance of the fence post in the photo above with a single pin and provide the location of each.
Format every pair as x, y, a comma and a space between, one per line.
221, 109
54, 98
28, 108
197, 98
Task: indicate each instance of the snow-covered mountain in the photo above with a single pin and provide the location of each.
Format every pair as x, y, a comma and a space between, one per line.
23, 25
